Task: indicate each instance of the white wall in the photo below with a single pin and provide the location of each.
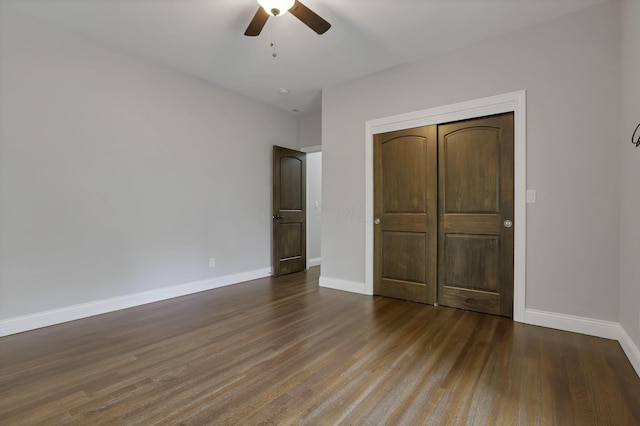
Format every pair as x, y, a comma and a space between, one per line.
310, 130
314, 206
630, 172
569, 68
119, 176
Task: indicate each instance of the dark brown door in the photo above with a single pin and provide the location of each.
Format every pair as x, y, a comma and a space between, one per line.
289, 217
475, 188
405, 214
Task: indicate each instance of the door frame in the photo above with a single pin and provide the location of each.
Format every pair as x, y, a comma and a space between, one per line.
509, 102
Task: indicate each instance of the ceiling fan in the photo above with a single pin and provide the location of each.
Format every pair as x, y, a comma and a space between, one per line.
280, 7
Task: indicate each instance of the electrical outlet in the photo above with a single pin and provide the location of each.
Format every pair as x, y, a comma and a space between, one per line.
212, 262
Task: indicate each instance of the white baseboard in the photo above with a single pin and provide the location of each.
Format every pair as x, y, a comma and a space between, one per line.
84, 310
630, 349
582, 325
344, 285
313, 262
591, 327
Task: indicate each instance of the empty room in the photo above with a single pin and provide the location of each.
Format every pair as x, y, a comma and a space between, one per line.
241, 212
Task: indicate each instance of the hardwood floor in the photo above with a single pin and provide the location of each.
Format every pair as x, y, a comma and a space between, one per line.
284, 351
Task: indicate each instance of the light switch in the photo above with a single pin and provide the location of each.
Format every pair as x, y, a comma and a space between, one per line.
531, 196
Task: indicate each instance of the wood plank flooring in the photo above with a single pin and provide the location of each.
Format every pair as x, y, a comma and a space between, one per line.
284, 351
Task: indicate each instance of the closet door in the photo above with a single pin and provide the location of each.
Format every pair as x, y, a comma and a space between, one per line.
475, 190
405, 214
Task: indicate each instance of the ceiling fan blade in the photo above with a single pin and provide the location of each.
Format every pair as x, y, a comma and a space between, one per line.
257, 23
309, 18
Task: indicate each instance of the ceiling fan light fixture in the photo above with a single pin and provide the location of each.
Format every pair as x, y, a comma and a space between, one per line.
276, 7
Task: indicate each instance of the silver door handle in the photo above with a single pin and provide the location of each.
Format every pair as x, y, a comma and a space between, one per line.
508, 223
376, 221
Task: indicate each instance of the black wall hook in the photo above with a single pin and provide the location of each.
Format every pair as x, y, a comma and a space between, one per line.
635, 139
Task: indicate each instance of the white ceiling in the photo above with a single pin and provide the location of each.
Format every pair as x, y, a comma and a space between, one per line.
205, 37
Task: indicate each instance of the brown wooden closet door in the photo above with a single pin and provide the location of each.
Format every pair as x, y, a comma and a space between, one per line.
289, 217
475, 189
405, 214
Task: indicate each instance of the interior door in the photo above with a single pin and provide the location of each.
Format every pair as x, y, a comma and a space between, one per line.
475, 189
405, 214
289, 216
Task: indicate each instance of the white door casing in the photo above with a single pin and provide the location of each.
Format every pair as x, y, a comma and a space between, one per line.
509, 102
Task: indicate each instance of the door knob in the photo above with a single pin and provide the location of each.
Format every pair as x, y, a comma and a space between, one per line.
278, 217
376, 221
508, 223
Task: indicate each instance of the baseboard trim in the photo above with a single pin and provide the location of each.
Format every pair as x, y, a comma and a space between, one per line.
589, 326
575, 324
344, 285
84, 310
313, 262
629, 348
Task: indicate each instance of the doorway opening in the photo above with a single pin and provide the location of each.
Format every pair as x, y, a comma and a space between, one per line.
314, 208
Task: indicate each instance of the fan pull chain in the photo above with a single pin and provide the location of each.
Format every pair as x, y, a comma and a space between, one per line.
273, 38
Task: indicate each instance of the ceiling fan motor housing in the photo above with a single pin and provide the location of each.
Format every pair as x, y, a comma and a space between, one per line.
279, 7
276, 7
